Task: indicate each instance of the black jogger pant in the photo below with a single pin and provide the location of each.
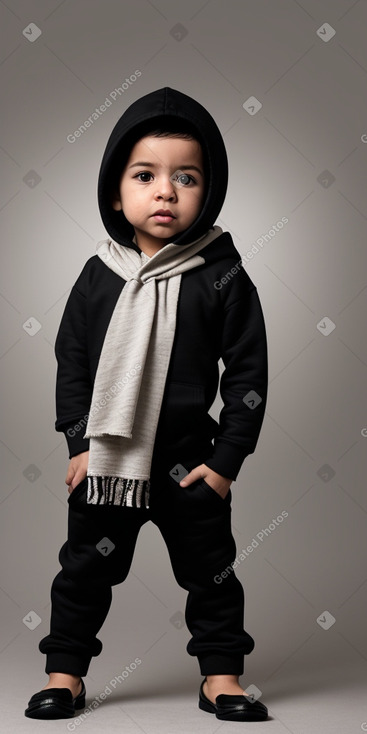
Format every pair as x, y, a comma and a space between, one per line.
195, 523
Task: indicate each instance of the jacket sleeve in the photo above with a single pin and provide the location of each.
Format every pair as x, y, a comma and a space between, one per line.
73, 382
243, 384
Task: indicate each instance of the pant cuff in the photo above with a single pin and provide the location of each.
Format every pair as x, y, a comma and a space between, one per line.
221, 664
60, 662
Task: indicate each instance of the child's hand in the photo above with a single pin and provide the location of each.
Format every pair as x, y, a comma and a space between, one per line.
77, 470
216, 481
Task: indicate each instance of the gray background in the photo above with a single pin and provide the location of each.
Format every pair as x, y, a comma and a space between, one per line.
302, 156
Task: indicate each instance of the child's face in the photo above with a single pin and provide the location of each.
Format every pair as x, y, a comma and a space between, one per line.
161, 173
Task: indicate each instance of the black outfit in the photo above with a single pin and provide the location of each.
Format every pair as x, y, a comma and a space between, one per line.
218, 316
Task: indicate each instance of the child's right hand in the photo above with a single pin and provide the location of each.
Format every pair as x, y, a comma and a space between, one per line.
77, 470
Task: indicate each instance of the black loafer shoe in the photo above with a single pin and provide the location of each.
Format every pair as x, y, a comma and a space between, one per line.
55, 703
233, 708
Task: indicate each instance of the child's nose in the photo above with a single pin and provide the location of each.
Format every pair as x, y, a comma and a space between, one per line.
165, 186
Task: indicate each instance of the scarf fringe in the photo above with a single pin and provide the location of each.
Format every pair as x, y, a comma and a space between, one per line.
104, 490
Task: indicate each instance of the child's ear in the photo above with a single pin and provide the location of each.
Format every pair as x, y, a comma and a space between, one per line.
116, 201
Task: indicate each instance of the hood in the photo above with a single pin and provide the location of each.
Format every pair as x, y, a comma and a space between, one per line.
164, 106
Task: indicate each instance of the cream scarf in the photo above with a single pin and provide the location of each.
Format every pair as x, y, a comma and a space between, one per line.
132, 369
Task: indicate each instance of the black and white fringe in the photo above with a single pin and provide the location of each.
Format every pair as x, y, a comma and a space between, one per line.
118, 491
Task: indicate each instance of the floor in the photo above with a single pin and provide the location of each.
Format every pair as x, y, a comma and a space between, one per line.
325, 700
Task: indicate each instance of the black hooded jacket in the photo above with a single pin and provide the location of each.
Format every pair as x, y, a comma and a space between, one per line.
218, 313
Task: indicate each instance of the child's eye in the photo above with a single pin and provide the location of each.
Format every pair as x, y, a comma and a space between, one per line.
144, 173
185, 178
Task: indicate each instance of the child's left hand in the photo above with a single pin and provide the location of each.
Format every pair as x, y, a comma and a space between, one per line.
216, 481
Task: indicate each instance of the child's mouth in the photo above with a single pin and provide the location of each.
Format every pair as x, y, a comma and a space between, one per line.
163, 219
